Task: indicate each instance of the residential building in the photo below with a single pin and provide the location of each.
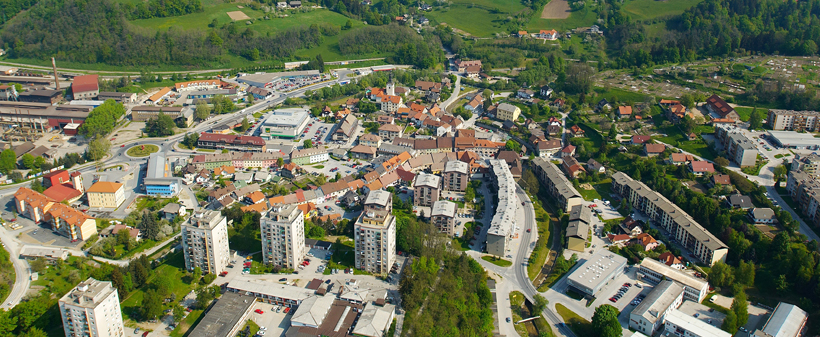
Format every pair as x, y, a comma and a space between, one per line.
70, 222
549, 147
143, 113
363, 152
721, 180
624, 111
805, 191
640, 139
680, 158
92, 308
572, 167
231, 142
556, 184
390, 131
650, 315
85, 87
456, 175
787, 320
371, 140
309, 156
580, 218
719, 107
596, 272
683, 325
345, 128
283, 236
31, 204
794, 120
426, 189
739, 201
205, 242
375, 234
807, 163
653, 271
507, 112
653, 150
443, 215
762, 216
550, 35
461, 65
701, 167
671, 260
647, 241
686, 231
501, 231
594, 166
106, 194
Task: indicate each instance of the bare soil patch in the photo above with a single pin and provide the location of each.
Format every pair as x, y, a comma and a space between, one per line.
238, 15
556, 9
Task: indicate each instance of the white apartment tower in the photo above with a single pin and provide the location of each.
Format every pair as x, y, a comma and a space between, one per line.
375, 234
283, 236
92, 309
205, 242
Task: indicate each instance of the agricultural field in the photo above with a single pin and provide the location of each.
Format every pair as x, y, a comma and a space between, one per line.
650, 9
585, 17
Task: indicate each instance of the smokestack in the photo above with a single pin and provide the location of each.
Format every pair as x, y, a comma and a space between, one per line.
54, 66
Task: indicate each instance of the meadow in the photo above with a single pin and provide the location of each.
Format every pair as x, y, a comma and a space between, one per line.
650, 9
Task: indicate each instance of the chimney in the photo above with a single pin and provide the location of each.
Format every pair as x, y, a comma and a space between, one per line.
54, 66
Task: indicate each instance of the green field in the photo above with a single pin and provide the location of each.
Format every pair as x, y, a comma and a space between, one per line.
581, 18
650, 9
746, 112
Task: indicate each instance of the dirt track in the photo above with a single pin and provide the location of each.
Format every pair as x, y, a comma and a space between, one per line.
556, 9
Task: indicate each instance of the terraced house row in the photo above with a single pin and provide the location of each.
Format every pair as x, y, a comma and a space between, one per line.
705, 246
556, 184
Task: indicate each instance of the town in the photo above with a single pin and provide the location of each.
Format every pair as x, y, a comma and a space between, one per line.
364, 201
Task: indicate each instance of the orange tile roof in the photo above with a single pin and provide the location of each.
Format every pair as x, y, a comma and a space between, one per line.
625, 110
277, 200
356, 184
104, 187
62, 193
70, 215
646, 239
307, 208
259, 208
33, 198
256, 196
198, 82
158, 95
375, 185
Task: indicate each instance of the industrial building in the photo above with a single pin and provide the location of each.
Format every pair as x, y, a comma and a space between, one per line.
502, 226
25, 120
684, 325
557, 184
690, 234
85, 87
739, 148
159, 180
649, 316
375, 234
794, 140
787, 320
205, 242
285, 123
283, 236
92, 308
263, 80
143, 113
653, 271
227, 316
596, 272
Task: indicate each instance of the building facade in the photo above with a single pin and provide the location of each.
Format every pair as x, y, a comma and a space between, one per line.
794, 120
426, 189
106, 194
649, 316
739, 148
653, 271
375, 234
92, 308
143, 113
501, 230
507, 112
456, 175
309, 156
283, 236
205, 242
231, 142
443, 215
556, 184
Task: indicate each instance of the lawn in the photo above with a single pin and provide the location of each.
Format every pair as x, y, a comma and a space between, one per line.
142, 150
578, 325
620, 94
585, 17
476, 21
650, 9
343, 256
589, 195
675, 137
746, 112
541, 251
496, 261
191, 320
174, 267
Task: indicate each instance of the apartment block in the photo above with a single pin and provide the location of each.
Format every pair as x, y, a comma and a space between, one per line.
684, 229
649, 316
443, 216
794, 120
105, 194
92, 308
205, 242
283, 236
456, 175
309, 156
805, 191
507, 112
739, 148
375, 234
806, 163
426, 189
654, 271
501, 230
556, 184
231, 142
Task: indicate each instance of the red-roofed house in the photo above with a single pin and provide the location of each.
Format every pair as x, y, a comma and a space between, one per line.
551, 34
576, 131
652, 150
680, 158
718, 106
85, 87
671, 260
638, 139
62, 186
568, 151
700, 167
647, 241
624, 111
617, 239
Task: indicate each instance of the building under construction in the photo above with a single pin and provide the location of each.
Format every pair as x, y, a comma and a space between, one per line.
28, 121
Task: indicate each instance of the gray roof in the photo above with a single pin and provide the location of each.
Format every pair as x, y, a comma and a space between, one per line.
659, 299
579, 212
379, 197
762, 213
597, 269
156, 166
444, 208
562, 184
579, 229
428, 180
743, 201
457, 166
786, 320
224, 315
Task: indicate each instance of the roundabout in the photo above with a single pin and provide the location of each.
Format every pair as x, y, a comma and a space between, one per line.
142, 150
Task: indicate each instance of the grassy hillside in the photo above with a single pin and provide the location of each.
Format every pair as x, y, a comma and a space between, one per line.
650, 9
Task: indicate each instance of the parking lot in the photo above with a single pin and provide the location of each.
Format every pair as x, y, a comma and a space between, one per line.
290, 84
331, 167
273, 318
316, 131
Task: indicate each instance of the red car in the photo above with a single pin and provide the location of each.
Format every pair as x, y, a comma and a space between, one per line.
258, 311
529, 230
287, 310
223, 274
123, 145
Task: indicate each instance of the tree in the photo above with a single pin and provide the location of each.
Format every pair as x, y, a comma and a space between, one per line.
98, 148
162, 126
755, 120
721, 274
577, 78
190, 140
722, 161
513, 145
37, 186
740, 307
280, 162
28, 161
7, 323
140, 275
179, 313
151, 304
730, 322
203, 111
687, 100
8, 161
745, 273
249, 99
605, 322
118, 281
307, 143
196, 275
540, 304
34, 332
245, 125
205, 295
780, 172
348, 25
688, 124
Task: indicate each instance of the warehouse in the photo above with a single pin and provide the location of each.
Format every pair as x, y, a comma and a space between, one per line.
285, 123
795, 140
263, 80
596, 272
42, 116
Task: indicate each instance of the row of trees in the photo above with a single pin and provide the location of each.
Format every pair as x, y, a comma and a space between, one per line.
102, 119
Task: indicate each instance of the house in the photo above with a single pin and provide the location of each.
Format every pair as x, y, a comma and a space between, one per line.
370, 140
525, 93
572, 167
423, 21
576, 131
461, 65
507, 112
639, 139
617, 239
425, 7
291, 170
390, 131
550, 35
680, 158
624, 111
652, 150
602, 104
700, 167
363, 152
594, 166
762, 216
721, 180
548, 148
521, 33
295, 4
739, 201
281, 5
382, 120
114, 230
692, 136
719, 107
105, 194
173, 210
631, 227
671, 260
553, 129
568, 151
647, 241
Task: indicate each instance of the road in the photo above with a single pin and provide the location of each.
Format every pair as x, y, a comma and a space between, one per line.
22, 279
454, 96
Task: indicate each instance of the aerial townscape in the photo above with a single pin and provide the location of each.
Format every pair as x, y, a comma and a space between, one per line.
381, 168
